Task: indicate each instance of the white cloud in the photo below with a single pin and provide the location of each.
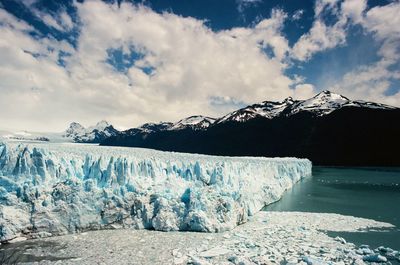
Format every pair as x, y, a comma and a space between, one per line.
321, 36
195, 70
369, 82
354, 9
304, 91
66, 20
13, 23
192, 64
298, 14
60, 21
384, 21
372, 81
49, 20
325, 5
243, 4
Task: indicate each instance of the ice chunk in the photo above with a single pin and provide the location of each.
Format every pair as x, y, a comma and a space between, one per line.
313, 261
66, 188
214, 252
374, 258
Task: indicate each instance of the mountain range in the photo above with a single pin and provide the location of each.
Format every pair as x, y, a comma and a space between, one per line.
328, 128
93, 134
75, 133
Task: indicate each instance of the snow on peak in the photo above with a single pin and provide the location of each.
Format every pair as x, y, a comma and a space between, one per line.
321, 104
96, 133
288, 101
153, 127
327, 96
371, 105
75, 125
74, 129
266, 109
195, 122
327, 102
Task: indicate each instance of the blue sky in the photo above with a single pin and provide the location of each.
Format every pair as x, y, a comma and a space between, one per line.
132, 62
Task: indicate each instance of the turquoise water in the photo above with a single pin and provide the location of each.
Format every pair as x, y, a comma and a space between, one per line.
362, 192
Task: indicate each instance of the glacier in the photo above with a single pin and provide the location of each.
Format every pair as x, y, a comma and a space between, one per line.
59, 188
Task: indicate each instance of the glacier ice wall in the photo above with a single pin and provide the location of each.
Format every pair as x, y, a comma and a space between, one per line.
52, 189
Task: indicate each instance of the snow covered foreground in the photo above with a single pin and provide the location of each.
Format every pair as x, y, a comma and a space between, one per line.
54, 189
268, 238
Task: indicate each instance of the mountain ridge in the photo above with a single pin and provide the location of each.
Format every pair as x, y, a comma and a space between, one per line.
329, 129
74, 133
92, 134
322, 103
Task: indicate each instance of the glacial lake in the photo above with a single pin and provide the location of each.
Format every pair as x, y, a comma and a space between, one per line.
372, 193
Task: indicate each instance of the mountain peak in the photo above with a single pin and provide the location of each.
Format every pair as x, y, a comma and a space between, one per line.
96, 133
74, 129
196, 122
328, 95
327, 92
322, 103
75, 125
152, 127
101, 125
288, 100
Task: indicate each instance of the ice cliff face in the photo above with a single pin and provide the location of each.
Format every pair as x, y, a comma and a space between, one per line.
53, 189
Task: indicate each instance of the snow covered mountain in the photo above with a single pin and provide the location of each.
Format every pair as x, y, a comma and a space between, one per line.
74, 133
266, 109
194, 122
92, 134
27, 136
320, 105
154, 127
328, 129
147, 128
74, 130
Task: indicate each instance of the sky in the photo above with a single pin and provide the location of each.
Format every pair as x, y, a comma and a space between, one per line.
131, 62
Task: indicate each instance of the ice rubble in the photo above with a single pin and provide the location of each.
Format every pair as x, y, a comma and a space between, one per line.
268, 238
53, 189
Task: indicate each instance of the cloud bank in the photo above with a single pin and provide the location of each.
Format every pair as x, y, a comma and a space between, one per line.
132, 65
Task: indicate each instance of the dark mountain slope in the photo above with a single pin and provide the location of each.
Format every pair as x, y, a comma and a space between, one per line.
349, 136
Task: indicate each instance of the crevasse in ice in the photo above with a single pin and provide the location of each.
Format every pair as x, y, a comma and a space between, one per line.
52, 189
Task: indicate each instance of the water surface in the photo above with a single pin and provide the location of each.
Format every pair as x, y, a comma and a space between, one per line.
372, 193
